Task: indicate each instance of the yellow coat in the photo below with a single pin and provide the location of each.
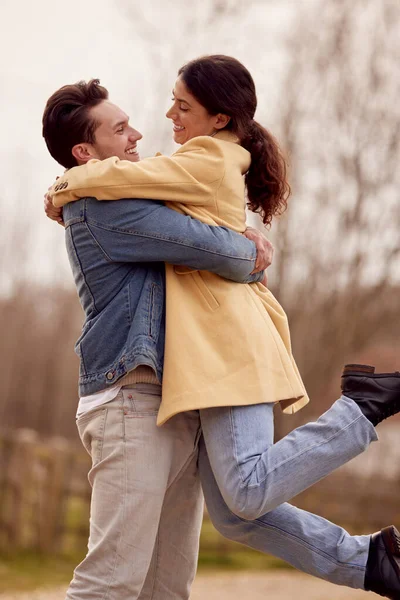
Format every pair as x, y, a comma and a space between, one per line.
227, 344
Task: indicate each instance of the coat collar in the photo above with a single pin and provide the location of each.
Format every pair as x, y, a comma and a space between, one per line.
226, 136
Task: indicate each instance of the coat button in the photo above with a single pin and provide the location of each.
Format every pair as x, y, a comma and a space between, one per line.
110, 375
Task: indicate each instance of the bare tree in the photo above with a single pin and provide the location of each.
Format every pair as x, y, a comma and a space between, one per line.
338, 245
337, 266
169, 35
38, 387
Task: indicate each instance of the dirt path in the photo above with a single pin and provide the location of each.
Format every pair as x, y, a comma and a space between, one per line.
278, 585
281, 585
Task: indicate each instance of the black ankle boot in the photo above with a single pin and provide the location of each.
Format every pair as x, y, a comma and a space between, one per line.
377, 394
382, 575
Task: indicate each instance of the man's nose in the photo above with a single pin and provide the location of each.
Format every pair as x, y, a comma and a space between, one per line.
135, 135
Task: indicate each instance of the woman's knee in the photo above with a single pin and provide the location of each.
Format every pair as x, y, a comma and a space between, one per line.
226, 522
248, 512
219, 508
244, 504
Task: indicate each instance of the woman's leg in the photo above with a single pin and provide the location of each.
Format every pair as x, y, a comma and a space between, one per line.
255, 475
306, 541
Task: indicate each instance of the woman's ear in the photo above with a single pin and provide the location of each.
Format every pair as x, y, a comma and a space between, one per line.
83, 153
221, 121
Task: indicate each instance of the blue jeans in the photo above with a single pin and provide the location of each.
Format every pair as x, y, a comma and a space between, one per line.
247, 479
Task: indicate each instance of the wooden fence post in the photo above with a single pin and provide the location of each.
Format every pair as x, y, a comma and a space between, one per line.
19, 471
53, 501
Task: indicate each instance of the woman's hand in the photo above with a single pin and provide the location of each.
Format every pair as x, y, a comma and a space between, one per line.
52, 212
265, 250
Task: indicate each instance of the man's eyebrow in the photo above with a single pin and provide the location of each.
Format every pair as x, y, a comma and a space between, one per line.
121, 122
180, 99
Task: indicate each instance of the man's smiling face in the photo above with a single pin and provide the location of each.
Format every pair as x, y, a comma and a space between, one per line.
113, 136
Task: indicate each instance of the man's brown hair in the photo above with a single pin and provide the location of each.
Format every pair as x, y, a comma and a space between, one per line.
67, 121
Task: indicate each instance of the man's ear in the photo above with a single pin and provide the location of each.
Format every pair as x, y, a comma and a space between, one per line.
83, 153
221, 121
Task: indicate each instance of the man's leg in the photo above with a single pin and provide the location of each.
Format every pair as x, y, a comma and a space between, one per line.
130, 475
306, 541
174, 562
255, 475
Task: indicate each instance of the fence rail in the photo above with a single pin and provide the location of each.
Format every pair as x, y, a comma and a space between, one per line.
44, 493
45, 497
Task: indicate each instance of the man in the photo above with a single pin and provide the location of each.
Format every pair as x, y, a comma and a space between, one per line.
146, 503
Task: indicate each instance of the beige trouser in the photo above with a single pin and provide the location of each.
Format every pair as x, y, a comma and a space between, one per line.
147, 504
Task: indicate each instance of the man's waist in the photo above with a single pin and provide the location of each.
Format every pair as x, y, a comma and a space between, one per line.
142, 374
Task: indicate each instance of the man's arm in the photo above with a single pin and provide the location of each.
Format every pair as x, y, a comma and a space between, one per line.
145, 231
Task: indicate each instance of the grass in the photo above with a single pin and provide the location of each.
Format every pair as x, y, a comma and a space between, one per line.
26, 571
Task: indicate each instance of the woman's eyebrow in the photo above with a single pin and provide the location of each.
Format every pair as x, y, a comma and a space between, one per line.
180, 99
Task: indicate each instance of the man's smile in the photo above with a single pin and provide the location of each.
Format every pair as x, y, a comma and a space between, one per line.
132, 150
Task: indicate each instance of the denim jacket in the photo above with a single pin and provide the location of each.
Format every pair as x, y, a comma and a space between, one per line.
117, 252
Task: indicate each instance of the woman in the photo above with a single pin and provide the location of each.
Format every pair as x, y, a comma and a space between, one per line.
233, 361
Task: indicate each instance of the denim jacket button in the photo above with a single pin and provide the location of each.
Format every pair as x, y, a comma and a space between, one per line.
110, 375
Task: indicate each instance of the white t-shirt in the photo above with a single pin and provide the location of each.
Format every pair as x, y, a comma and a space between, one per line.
87, 403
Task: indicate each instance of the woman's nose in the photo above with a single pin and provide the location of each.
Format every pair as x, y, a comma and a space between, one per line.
170, 113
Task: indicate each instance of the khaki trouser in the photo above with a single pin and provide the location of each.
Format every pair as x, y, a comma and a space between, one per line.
147, 504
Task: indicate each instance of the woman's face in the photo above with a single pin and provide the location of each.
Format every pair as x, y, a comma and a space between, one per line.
189, 117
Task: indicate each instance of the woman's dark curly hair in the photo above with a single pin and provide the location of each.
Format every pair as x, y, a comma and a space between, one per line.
223, 85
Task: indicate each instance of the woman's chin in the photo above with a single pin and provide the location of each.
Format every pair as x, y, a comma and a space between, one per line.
178, 137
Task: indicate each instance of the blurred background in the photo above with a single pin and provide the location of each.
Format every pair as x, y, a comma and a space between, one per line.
328, 81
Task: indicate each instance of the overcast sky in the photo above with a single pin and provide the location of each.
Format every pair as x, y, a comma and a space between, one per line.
46, 44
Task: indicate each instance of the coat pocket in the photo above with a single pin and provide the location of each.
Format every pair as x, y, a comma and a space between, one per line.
200, 284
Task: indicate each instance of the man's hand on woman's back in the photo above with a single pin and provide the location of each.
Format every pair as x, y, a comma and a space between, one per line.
265, 250
54, 213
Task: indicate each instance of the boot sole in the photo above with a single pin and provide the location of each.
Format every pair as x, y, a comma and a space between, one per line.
353, 369
370, 375
365, 371
391, 540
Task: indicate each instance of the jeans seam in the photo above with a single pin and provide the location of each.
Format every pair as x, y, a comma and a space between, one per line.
186, 463
297, 540
325, 441
82, 272
156, 548
233, 429
101, 441
124, 478
306, 545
